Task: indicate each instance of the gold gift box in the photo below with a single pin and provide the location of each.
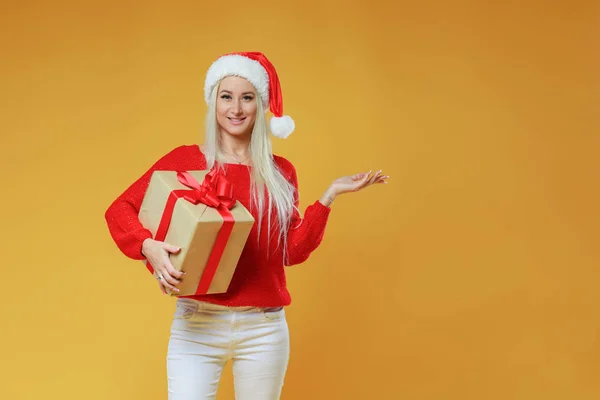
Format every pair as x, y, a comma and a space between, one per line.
194, 228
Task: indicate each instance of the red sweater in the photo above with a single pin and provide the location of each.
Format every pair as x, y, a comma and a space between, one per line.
259, 279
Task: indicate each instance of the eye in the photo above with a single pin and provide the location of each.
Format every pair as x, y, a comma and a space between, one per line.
225, 96
248, 98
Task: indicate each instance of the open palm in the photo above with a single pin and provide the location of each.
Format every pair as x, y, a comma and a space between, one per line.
354, 183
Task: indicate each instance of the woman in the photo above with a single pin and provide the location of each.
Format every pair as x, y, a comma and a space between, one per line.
247, 324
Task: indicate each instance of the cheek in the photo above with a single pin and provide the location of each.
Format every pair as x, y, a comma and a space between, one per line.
220, 108
250, 110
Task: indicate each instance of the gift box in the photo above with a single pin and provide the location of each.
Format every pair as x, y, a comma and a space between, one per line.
196, 211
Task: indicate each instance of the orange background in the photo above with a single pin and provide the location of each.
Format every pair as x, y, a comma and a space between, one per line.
472, 275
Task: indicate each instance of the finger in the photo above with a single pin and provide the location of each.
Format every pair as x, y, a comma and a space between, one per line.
162, 289
177, 275
375, 177
381, 178
361, 176
164, 278
364, 181
169, 272
369, 181
170, 279
171, 249
166, 290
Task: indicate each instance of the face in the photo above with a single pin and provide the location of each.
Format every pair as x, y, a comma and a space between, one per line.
236, 106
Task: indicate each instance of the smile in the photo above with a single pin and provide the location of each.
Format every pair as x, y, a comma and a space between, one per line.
237, 121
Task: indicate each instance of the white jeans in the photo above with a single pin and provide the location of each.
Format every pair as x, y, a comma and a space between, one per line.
205, 336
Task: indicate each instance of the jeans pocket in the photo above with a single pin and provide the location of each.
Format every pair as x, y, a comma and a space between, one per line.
184, 310
272, 313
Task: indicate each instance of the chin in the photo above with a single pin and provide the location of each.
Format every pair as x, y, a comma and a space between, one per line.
237, 130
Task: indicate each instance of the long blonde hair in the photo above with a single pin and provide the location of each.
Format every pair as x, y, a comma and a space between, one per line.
264, 172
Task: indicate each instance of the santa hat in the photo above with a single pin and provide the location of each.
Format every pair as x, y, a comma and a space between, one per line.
258, 70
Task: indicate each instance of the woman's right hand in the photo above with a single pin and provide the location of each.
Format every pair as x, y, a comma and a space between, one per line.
157, 253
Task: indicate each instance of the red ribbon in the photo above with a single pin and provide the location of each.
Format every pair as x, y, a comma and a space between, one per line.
215, 191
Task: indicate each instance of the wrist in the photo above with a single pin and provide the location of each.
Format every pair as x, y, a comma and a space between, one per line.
331, 193
328, 197
144, 246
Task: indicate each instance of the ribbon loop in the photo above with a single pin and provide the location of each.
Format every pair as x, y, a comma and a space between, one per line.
214, 191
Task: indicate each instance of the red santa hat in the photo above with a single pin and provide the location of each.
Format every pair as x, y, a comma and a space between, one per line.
258, 70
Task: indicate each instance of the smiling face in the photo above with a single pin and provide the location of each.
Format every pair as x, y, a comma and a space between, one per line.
236, 106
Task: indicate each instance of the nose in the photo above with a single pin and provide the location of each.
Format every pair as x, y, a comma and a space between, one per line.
237, 108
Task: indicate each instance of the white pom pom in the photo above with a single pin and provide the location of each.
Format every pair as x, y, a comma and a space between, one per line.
282, 127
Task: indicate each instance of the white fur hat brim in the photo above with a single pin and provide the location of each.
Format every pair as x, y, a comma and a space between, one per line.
237, 65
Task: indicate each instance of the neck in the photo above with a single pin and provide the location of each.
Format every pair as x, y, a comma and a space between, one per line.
236, 149
237, 146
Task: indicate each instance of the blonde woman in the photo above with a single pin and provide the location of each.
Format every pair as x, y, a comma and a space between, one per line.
247, 324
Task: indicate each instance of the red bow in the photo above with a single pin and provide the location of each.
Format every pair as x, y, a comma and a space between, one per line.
214, 191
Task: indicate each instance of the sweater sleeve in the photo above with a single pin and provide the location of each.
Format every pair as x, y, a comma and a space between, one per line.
121, 216
305, 234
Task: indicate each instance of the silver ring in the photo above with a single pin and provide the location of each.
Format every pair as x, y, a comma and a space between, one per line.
159, 277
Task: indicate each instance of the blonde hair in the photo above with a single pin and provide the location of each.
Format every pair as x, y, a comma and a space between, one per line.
264, 172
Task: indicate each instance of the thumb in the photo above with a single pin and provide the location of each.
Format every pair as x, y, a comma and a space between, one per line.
360, 176
172, 249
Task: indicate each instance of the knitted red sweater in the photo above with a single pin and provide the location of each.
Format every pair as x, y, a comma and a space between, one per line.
259, 279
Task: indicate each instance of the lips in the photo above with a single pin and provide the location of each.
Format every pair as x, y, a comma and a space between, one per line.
236, 121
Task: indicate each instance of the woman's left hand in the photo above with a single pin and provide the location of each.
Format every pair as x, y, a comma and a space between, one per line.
354, 183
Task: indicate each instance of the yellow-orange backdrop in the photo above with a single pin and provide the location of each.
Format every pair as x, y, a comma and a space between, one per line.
472, 275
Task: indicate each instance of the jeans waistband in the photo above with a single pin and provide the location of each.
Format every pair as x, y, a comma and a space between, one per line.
204, 305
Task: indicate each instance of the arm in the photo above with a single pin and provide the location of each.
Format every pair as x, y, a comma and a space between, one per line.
306, 234
122, 215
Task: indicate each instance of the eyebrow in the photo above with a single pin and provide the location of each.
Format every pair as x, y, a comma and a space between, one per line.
227, 91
